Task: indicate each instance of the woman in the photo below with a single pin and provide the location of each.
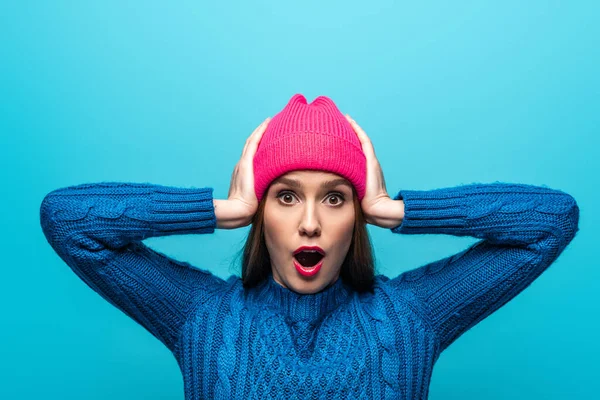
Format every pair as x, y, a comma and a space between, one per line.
308, 318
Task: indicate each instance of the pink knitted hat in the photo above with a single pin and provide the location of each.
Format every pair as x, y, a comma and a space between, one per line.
313, 136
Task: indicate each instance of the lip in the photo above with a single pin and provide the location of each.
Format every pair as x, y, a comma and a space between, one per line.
313, 248
308, 272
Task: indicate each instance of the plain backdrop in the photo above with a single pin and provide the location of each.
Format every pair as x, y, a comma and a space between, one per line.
450, 93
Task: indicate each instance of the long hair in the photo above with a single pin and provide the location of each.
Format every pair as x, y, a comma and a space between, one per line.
358, 267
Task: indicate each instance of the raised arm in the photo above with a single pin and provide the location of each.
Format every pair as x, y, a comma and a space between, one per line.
97, 229
524, 229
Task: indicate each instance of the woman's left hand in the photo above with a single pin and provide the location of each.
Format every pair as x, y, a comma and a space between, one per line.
379, 209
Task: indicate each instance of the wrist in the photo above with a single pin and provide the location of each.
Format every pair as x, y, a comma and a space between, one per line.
390, 215
230, 215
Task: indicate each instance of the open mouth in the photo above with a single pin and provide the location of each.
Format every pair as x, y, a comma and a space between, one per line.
308, 259
308, 262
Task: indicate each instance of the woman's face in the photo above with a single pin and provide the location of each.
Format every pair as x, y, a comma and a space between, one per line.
308, 208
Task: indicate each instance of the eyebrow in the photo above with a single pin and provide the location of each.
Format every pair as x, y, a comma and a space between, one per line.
325, 185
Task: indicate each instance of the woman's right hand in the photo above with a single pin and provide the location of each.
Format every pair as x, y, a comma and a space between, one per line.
241, 204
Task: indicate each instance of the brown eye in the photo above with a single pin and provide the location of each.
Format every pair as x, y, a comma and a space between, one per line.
285, 196
339, 200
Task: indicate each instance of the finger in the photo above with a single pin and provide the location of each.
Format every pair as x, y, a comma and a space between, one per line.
260, 128
362, 136
254, 139
249, 139
258, 131
232, 180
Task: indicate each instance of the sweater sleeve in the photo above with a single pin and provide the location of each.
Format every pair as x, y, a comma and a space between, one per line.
97, 230
524, 229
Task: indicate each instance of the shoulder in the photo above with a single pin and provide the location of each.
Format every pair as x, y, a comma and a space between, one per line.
394, 290
219, 289
390, 299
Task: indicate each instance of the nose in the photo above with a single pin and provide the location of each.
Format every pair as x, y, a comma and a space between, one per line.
310, 223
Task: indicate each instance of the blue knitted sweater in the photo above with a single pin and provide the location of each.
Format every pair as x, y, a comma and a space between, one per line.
270, 342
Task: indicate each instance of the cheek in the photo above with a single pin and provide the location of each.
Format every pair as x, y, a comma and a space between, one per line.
348, 233
275, 230
342, 232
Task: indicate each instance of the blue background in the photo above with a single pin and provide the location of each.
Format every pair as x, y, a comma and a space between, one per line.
450, 93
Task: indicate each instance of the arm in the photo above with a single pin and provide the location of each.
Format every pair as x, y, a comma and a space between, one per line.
97, 229
524, 229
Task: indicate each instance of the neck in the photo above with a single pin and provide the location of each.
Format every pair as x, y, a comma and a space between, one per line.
297, 306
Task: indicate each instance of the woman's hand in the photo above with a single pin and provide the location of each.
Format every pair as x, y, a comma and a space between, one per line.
241, 204
379, 209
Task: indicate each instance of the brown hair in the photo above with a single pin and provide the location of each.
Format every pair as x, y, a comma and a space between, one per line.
358, 268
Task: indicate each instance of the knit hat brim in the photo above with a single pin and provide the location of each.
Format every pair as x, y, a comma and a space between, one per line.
309, 151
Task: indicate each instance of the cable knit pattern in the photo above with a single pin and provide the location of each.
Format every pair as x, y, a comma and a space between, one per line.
270, 342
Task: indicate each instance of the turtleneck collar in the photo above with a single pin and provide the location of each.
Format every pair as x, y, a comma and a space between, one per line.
297, 306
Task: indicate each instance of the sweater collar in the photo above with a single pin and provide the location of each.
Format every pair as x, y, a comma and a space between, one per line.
297, 306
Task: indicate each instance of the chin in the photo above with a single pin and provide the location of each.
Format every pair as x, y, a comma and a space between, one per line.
306, 288
309, 286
